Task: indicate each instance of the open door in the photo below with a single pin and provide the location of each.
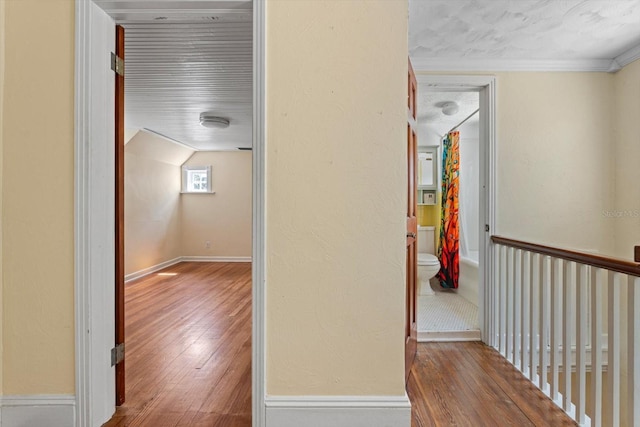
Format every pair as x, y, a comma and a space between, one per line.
412, 226
118, 359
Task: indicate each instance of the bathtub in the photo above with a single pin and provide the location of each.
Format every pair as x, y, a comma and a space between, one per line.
469, 276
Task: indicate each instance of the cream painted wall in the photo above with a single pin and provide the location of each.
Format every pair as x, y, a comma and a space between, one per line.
625, 215
37, 198
556, 159
223, 218
335, 209
2, 61
152, 201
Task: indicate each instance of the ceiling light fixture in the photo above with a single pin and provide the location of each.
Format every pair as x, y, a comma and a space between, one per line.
450, 108
210, 120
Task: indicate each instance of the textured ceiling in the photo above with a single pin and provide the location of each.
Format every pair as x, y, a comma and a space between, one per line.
430, 109
523, 29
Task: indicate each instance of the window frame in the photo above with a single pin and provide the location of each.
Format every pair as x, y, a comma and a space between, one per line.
187, 170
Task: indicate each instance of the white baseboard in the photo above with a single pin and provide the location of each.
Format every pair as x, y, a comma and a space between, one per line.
338, 411
449, 336
150, 270
38, 411
216, 258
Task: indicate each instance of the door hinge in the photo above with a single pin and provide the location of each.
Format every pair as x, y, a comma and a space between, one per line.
117, 64
486, 228
117, 354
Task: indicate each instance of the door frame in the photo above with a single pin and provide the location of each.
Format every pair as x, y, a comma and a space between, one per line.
92, 226
486, 86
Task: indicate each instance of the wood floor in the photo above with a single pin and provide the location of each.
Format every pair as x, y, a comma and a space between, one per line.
470, 384
188, 361
188, 348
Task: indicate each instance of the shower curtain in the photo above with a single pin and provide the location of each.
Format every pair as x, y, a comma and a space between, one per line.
448, 252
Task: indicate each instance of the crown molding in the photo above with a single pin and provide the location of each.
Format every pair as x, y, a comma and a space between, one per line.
429, 64
628, 57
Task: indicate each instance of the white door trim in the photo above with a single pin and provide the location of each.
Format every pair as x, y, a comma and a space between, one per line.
486, 86
90, 179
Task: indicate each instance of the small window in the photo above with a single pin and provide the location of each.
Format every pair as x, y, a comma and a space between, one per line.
196, 179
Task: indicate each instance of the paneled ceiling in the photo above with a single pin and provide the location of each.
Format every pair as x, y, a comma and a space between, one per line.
180, 64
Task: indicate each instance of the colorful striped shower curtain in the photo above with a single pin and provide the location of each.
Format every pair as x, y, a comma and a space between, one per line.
448, 252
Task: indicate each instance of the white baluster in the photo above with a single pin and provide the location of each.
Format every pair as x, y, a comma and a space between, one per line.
509, 295
613, 363
517, 308
545, 310
534, 296
633, 343
503, 301
556, 319
568, 297
525, 304
596, 347
495, 295
581, 341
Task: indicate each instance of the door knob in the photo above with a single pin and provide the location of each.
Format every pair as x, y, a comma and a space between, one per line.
412, 235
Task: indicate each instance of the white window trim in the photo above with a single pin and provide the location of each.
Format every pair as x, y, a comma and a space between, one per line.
185, 179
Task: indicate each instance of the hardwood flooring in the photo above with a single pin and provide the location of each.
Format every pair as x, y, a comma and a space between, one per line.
188, 362
188, 347
470, 384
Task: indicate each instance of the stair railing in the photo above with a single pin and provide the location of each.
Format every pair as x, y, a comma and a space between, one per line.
570, 322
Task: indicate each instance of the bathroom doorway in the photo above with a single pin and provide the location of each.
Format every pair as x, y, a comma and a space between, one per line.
454, 312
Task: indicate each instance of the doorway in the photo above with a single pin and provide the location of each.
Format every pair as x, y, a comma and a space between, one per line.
94, 226
480, 95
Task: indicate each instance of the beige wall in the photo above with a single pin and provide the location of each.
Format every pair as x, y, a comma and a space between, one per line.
555, 158
223, 218
625, 215
336, 154
152, 201
2, 61
37, 198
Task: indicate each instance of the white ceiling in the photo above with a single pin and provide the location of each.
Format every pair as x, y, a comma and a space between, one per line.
493, 35
430, 110
523, 34
181, 63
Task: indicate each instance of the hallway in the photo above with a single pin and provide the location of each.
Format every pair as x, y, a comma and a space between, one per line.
470, 384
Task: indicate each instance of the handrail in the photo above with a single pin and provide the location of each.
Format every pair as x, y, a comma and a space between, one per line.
613, 264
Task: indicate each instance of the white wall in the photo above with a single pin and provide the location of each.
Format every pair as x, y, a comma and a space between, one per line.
224, 218
469, 203
152, 201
